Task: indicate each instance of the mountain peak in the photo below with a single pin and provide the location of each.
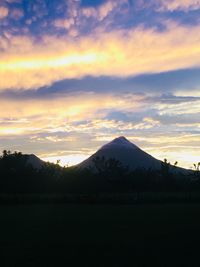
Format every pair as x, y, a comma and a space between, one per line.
125, 152
120, 139
119, 142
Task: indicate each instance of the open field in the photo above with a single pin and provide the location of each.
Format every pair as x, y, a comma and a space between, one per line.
100, 235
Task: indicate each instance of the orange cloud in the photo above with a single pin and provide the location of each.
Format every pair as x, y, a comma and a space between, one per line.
64, 23
79, 122
58, 114
25, 64
3, 12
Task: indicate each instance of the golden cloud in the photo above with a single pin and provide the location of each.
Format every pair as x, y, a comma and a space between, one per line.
26, 64
58, 114
64, 23
79, 122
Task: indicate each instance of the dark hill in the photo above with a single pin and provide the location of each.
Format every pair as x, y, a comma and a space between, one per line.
129, 155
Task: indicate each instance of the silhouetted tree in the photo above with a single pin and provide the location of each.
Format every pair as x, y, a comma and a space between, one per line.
100, 164
197, 166
175, 163
111, 168
165, 168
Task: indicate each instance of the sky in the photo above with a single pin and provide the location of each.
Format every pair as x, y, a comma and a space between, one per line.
74, 74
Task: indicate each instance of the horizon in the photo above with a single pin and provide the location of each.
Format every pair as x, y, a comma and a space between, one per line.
72, 160
75, 74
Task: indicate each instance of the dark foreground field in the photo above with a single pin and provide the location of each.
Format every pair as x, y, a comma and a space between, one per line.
100, 235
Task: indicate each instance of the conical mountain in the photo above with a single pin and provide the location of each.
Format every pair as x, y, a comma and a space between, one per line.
127, 153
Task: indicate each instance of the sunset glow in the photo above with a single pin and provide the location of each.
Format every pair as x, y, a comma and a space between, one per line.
74, 74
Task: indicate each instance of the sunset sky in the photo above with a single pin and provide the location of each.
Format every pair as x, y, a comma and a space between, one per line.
74, 74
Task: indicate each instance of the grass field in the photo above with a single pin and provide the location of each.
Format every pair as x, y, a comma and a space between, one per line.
100, 235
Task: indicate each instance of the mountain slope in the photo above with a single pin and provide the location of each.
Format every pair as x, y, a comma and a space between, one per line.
128, 154
34, 161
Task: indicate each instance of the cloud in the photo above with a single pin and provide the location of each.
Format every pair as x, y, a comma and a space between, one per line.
175, 108
119, 53
14, 1
88, 112
100, 51
170, 99
180, 119
16, 13
79, 123
57, 114
182, 5
64, 23
102, 11
86, 18
3, 12
169, 5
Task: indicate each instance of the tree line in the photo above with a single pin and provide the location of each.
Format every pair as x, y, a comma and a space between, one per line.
17, 176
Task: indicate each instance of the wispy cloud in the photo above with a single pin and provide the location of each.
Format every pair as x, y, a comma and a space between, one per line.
102, 11
134, 51
88, 120
169, 5
35, 116
182, 5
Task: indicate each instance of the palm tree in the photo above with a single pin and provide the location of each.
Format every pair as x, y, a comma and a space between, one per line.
175, 163
197, 166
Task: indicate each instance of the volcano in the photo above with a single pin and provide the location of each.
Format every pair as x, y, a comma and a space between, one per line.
128, 154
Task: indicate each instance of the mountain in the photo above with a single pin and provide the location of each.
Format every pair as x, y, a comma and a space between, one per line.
34, 161
128, 154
